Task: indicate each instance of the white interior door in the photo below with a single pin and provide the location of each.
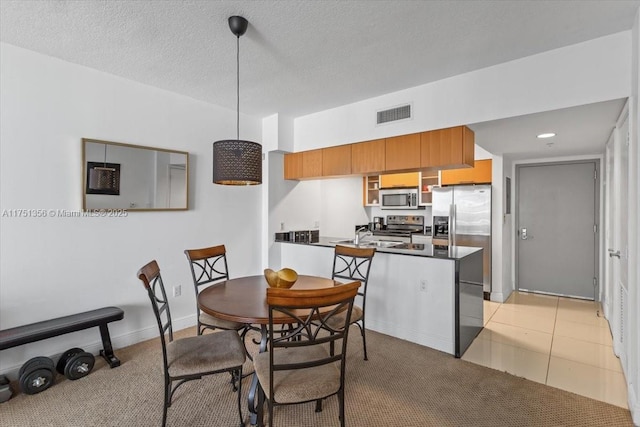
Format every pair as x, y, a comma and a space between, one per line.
619, 249
556, 218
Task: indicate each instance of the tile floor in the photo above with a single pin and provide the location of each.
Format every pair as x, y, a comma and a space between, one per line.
561, 342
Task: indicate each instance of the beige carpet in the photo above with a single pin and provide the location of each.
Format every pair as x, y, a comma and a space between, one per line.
402, 384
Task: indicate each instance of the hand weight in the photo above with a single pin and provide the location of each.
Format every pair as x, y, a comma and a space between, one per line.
36, 375
75, 363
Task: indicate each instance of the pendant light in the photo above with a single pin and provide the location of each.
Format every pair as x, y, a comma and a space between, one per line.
237, 162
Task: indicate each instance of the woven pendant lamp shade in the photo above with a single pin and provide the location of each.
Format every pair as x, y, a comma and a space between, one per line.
237, 162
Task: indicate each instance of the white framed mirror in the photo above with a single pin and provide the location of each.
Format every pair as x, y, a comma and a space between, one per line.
133, 177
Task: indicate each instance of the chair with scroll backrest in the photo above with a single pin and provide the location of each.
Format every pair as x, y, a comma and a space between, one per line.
208, 267
299, 366
354, 264
190, 358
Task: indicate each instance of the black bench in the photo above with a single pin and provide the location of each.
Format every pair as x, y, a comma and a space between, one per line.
63, 325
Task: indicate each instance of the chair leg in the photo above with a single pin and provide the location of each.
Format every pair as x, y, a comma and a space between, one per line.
270, 403
167, 388
341, 405
260, 414
319, 405
239, 376
364, 340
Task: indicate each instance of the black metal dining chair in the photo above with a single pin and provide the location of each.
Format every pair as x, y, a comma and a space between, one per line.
208, 267
354, 264
194, 357
299, 366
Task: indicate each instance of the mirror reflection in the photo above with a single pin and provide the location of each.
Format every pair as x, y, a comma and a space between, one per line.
133, 177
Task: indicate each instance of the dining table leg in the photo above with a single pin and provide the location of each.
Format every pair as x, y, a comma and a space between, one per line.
253, 410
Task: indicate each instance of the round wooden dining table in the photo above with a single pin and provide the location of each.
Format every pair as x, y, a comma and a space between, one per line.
244, 300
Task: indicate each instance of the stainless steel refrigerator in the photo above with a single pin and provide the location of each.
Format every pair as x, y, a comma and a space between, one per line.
462, 217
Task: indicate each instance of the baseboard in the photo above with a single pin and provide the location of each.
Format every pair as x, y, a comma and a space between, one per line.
117, 342
497, 297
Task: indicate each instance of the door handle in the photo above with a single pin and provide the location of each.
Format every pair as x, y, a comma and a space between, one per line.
523, 234
613, 253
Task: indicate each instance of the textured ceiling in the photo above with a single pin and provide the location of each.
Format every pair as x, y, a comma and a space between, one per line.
299, 57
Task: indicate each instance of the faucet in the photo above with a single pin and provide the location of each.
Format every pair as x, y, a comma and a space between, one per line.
357, 238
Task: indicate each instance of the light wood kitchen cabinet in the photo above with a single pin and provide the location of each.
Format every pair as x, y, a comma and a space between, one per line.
368, 157
479, 174
428, 180
371, 190
442, 149
293, 166
312, 163
409, 179
303, 165
336, 161
450, 148
402, 152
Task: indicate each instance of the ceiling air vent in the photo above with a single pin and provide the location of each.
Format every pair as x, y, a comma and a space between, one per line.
393, 114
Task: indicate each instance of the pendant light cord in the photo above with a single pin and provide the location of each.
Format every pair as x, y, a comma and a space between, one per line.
238, 88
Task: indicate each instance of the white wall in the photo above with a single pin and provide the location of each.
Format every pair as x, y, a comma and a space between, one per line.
56, 266
565, 77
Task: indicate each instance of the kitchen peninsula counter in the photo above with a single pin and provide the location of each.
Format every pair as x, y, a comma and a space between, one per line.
432, 251
431, 296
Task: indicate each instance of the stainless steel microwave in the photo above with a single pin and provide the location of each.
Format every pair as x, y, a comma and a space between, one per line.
399, 198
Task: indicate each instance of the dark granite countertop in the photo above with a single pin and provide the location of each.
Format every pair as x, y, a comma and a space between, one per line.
428, 251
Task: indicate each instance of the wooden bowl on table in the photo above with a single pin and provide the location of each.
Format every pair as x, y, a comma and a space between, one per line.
284, 278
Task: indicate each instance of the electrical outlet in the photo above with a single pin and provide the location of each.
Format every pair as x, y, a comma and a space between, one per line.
423, 285
177, 291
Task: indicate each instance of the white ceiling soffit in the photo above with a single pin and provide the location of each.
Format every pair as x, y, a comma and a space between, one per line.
299, 57
582, 130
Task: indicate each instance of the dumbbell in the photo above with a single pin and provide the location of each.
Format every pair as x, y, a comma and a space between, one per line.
75, 363
5, 389
36, 375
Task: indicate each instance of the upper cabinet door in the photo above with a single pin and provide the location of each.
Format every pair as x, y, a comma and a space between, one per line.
368, 157
479, 174
409, 179
336, 161
293, 166
312, 163
450, 148
402, 152
303, 165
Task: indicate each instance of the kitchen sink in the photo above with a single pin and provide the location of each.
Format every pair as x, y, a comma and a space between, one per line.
381, 243
370, 243
347, 242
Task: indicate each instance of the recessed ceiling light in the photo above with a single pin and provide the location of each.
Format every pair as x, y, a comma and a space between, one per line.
546, 135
